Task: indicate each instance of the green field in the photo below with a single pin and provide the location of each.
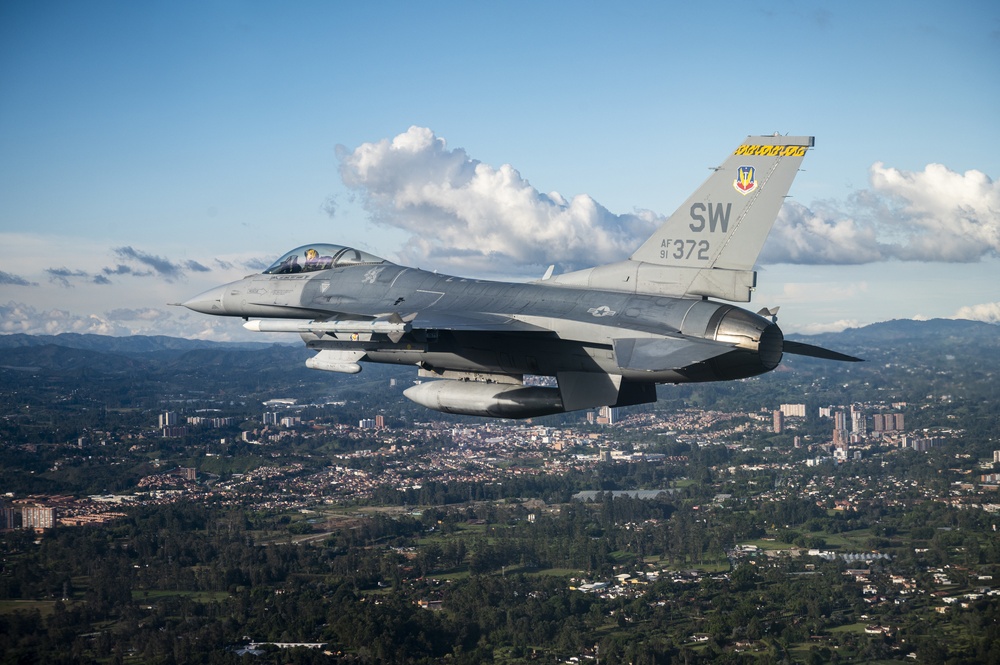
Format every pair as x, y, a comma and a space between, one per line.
43, 607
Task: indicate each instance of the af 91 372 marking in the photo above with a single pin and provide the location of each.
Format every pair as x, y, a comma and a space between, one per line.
684, 249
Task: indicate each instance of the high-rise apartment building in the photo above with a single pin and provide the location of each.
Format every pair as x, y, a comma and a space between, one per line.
888, 422
841, 435
9, 518
793, 410
38, 517
186, 472
607, 415
859, 423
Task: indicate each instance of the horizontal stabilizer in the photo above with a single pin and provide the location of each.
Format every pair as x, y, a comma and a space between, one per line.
656, 354
801, 349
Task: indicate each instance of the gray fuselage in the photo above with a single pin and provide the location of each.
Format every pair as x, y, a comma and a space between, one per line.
468, 325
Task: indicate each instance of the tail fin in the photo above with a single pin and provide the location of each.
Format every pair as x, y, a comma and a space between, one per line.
725, 222
709, 245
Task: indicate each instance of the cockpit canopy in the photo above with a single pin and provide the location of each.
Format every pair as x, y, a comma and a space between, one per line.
309, 258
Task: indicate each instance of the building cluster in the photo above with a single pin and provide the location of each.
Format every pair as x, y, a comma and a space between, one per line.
793, 410
851, 430
888, 422
169, 423
39, 513
210, 421
606, 415
493, 452
169, 426
27, 516
378, 422
276, 418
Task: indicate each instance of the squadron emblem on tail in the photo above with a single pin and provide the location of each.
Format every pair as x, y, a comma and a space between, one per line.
745, 182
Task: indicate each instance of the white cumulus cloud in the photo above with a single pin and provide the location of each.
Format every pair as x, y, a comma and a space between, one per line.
148, 314
464, 214
942, 215
987, 312
930, 215
801, 235
18, 317
829, 327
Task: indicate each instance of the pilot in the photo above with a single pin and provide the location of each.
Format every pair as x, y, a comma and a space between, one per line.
312, 260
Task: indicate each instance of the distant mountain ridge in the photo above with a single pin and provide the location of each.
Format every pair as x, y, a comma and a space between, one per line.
898, 329
150, 343
129, 345
107, 354
922, 358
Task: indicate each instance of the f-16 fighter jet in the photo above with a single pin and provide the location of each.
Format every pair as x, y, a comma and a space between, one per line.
607, 334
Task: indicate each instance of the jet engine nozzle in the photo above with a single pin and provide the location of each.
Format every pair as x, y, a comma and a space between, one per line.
754, 333
756, 341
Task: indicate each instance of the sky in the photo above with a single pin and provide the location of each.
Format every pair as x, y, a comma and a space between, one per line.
150, 151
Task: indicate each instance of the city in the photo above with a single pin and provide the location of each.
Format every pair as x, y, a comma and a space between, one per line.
856, 522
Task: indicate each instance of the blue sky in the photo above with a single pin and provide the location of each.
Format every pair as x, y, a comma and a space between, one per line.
149, 151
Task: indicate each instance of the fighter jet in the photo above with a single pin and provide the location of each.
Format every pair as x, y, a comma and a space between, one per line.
607, 335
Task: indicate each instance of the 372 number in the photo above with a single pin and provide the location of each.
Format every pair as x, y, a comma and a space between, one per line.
684, 249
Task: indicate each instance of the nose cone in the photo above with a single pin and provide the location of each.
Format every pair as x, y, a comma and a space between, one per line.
209, 302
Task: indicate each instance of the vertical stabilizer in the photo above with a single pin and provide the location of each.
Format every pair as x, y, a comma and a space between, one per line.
725, 222
709, 245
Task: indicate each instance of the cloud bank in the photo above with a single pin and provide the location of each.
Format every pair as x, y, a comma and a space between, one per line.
946, 216
18, 317
131, 262
152, 264
463, 214
14, 280
930, 215
986, 312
